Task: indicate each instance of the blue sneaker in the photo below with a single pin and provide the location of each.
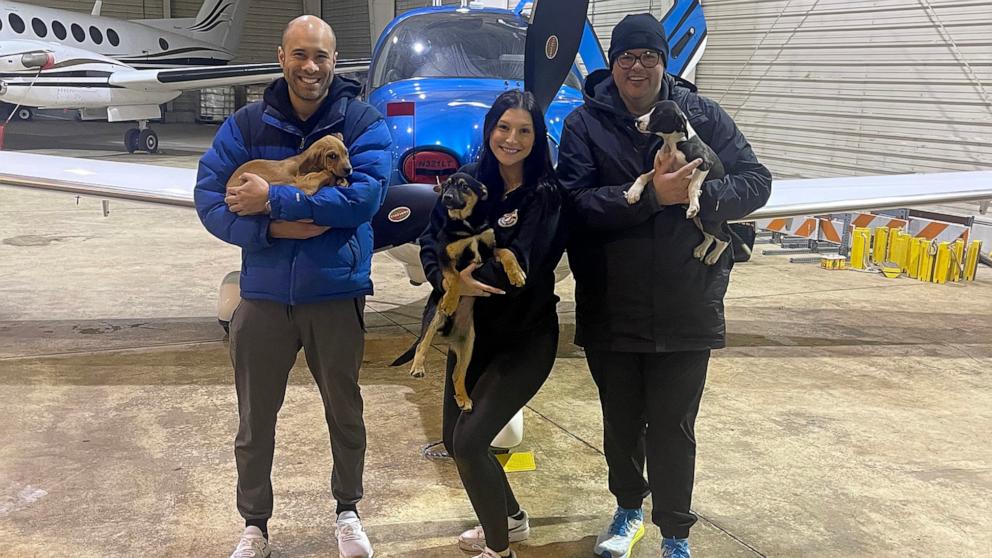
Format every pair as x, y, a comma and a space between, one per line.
675, 548
618, 539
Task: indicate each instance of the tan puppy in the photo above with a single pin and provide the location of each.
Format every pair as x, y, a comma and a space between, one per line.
324, 162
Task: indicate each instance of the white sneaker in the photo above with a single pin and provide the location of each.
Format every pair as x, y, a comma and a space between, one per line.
475, 538
487, 553
352, 540
252, 545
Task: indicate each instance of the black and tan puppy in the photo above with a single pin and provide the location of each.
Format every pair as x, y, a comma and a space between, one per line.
325, 162
462, 241
668, 121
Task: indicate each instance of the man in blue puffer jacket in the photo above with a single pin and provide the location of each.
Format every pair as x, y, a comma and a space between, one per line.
305, 270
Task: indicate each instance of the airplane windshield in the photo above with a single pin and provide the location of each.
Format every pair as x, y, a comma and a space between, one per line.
451, 44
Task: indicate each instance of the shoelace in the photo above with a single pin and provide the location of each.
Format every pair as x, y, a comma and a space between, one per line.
622, 522
349, 532
673, 550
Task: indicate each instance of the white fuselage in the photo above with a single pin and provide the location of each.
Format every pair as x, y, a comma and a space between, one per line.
137, 44
78, 79
85, 50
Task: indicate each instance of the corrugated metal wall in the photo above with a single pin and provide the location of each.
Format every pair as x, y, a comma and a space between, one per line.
350, 20
849, 87
263, 29
407, 5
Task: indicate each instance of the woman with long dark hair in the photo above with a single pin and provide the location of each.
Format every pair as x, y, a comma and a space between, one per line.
516, 328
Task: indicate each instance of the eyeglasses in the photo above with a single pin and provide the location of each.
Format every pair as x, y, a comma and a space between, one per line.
648, 59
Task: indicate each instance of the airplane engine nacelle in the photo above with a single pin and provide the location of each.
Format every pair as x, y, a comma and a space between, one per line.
39, 60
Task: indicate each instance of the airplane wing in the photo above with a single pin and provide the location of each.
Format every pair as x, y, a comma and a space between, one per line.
820, 196
181, 79
174, 186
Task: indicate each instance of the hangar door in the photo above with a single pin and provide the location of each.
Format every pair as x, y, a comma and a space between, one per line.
846, 87
350, 20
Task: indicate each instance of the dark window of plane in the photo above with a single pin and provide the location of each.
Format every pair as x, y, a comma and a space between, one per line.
113, 37
163, 43
59, 30
1, 25
16, 23
78, 33
96, 35
39, 28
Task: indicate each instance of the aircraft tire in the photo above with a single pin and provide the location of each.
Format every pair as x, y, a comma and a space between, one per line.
148, 140
25, 113
131, 140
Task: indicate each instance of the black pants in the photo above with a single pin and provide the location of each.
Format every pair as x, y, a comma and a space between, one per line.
503, 376
650, 401
265, 339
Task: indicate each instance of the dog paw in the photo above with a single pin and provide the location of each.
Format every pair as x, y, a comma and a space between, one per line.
632, 197
700, 252
517, 277
448, 307
712, 258
691, 212
464, 403
418, 372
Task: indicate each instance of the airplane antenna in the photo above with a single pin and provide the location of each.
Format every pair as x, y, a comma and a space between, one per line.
97, 7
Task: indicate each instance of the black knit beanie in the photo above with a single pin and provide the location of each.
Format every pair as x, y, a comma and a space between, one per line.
638, 31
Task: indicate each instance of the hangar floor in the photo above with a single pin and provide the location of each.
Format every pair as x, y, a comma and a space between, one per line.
845, 419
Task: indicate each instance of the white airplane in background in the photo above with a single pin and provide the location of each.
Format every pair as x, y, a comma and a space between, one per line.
122, 70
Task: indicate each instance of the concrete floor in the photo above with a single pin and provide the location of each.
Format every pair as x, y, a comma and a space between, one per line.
849, 417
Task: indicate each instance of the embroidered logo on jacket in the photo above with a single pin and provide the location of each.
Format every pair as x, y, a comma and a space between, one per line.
508, 219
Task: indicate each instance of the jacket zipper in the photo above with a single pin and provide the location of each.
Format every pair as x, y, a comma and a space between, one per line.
296, 250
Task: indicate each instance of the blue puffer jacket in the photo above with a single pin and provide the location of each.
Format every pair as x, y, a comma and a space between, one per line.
333, 265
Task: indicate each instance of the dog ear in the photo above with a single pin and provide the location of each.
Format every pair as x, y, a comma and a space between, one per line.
339, 135
440, 186
483, 192
312, 160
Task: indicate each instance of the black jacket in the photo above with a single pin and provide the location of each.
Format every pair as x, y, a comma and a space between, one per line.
638, 288
527, 222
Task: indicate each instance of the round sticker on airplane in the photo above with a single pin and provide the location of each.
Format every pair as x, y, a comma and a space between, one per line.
551, 47
399, 214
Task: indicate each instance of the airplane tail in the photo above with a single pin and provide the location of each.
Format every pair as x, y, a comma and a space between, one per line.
219, 22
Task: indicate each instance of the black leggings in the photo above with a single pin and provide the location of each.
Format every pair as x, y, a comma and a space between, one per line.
503, 376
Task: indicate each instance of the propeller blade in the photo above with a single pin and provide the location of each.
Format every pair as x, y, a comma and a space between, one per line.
553, 39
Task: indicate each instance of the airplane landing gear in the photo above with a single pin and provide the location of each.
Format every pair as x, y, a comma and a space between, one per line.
142, 137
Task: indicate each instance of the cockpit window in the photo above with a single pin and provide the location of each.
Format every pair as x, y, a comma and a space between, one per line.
452, 44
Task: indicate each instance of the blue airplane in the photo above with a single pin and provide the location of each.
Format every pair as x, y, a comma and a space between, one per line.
436, 71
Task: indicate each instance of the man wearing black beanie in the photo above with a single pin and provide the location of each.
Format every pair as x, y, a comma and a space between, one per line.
647, 313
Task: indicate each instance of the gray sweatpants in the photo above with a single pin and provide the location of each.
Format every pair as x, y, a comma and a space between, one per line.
265, 339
